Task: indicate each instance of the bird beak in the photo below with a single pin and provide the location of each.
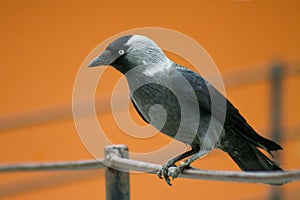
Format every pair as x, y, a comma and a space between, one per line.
104, 59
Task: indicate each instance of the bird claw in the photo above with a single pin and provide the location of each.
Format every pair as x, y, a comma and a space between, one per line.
163, 173
171, 170
175, 173
178, 170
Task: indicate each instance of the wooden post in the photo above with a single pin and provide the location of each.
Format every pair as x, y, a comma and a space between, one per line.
117, 182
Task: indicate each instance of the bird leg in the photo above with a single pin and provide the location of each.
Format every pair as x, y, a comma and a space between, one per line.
186, 164
163, 172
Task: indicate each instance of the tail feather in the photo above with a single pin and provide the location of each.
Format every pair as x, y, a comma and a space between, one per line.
268, 144
254, 160
246, 154
259, 141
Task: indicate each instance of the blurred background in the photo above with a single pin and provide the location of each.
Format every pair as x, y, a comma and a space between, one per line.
43, 44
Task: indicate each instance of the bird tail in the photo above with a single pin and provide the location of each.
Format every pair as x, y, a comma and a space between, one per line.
246, 155
253, 159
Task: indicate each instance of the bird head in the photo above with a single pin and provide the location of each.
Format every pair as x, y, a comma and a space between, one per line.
130, 51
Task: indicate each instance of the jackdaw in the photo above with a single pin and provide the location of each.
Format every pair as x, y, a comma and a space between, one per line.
154, 81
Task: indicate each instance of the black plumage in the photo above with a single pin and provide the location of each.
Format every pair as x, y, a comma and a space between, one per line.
155, 80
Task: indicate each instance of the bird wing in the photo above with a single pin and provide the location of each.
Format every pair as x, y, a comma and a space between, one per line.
138, 111
206, 94
211, 100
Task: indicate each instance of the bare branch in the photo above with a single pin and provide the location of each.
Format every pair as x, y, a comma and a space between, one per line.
228, 176
54, 166
126, 164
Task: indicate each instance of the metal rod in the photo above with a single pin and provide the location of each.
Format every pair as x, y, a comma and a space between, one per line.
117, 182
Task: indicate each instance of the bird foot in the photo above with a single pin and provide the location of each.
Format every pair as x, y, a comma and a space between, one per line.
171, 170
164, 171
174, 173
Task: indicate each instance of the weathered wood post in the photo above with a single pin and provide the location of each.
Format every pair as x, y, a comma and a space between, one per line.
117, 182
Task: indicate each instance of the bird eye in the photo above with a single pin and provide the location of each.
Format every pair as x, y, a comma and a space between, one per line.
121, 52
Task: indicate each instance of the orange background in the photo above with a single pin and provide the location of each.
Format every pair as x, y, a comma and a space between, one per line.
43, 44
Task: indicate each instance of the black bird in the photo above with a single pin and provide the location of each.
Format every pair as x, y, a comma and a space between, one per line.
194, 112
